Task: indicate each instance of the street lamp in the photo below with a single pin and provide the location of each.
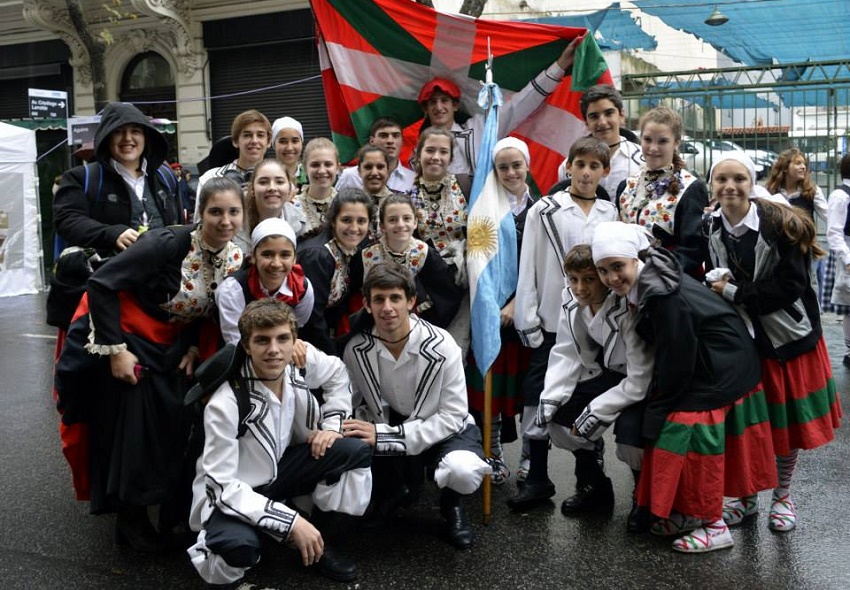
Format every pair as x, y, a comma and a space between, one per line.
716, 18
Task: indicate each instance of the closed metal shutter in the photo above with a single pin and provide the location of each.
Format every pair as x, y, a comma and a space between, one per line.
261, 51
42, 65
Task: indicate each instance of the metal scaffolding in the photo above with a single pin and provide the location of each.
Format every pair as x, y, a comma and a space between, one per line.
763, 109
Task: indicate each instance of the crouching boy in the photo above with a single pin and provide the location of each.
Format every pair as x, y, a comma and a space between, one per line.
409, 383
279, 445
599, 371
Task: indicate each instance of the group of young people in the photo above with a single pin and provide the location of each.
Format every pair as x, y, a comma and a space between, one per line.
324, 318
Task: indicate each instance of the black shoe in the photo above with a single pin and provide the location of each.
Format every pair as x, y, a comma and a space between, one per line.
590, 496
846, 361
458, 526
336, 566
532, 493
133, 529
381, 511
639, 519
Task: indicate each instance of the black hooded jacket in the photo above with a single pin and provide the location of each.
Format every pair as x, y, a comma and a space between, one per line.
97, 219
704, 355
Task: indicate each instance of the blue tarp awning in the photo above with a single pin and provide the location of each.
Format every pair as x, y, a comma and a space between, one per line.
613, 28
763, 33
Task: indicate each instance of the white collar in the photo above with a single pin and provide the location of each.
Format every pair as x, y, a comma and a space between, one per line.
126, 173
750, 221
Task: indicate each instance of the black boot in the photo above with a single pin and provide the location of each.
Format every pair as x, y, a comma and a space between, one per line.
382, 509
335, 564
532, 494
133, 529
458, 526
538, 487
639, 519
593, 489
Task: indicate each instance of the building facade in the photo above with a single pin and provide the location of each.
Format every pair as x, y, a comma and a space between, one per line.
197, 63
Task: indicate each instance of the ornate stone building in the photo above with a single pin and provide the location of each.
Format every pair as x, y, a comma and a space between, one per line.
196, 62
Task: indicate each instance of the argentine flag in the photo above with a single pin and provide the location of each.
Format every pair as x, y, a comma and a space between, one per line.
491, 248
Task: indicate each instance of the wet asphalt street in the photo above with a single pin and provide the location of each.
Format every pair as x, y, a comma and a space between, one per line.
48, 540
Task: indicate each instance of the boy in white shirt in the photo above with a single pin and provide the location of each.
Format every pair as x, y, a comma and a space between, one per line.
553, 225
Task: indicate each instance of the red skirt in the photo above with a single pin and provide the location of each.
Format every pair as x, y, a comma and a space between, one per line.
750, 465
687, 468
802, 400
508, 372
76, 436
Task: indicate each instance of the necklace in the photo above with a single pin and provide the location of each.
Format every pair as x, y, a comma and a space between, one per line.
579, 197
403, 338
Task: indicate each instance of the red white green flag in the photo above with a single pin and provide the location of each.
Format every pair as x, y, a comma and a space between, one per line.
376, 55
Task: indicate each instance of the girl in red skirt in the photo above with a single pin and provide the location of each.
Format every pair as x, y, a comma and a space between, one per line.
762, 252
510, 171
132, 345
706, 377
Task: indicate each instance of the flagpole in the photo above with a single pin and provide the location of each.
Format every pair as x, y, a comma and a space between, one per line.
488, 423
486, 499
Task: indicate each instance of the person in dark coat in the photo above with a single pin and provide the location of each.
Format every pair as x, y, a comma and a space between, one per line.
131, 189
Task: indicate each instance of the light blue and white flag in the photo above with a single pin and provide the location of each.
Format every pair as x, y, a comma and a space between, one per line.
490, 240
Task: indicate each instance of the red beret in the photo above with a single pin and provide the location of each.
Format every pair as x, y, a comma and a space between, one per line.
441, 85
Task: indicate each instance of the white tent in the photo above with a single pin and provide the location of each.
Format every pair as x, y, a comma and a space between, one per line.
20, 244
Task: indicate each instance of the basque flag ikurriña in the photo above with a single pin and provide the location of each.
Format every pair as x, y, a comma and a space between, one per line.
376, 54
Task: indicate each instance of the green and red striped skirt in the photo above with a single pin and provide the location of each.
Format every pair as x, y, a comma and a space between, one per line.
508, 372
802, 400
701, 456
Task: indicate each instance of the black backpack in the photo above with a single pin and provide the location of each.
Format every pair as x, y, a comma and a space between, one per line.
224, 365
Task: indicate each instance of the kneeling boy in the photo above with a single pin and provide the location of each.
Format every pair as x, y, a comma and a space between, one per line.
284, 447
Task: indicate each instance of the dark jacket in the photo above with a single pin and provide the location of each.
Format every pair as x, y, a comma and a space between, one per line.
97, 219
780, 299
704, 356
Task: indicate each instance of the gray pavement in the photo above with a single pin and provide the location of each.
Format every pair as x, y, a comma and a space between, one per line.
48, 540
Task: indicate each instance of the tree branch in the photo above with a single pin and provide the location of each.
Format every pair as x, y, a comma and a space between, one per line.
96, 50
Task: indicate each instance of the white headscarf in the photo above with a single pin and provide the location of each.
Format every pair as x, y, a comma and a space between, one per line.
274, 226
741, 158
615, 239
512, 142
286, 123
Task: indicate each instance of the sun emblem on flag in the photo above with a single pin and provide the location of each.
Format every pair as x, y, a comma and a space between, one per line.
481, 237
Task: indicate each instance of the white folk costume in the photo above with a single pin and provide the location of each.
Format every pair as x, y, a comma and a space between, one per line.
626, 161
583, 340
553, 226
245, 285
426, 388
232, 472
517, 108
